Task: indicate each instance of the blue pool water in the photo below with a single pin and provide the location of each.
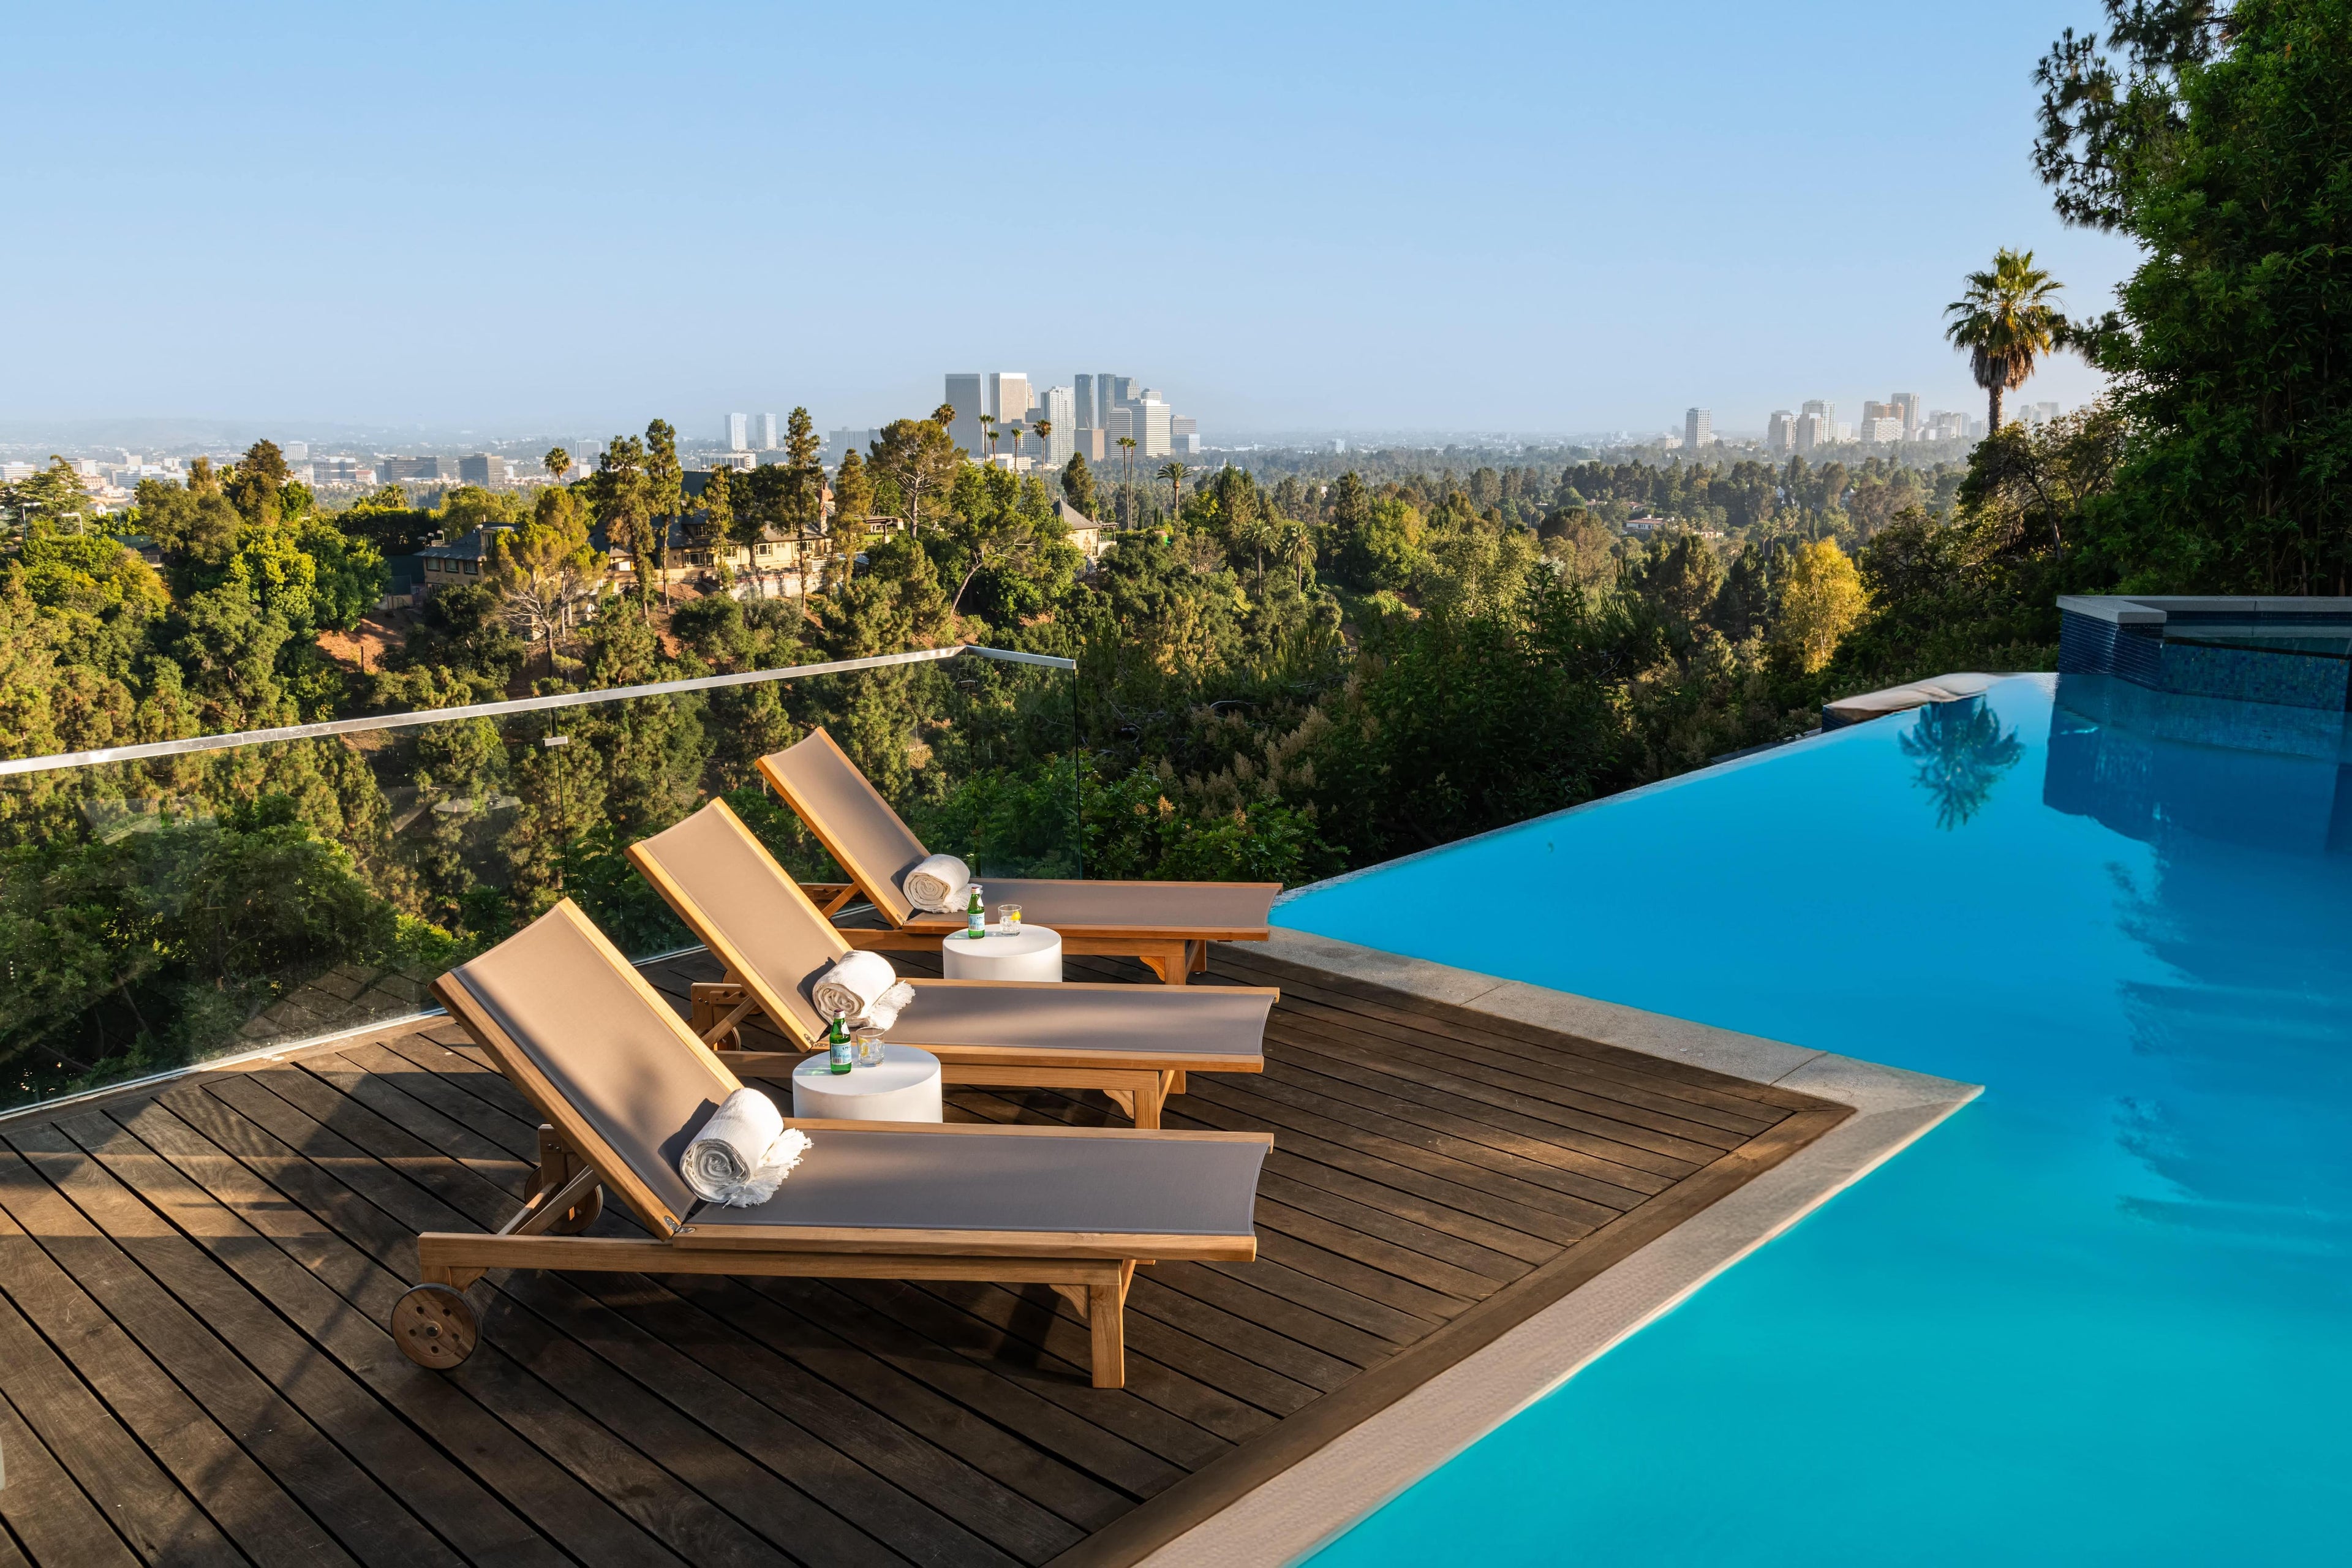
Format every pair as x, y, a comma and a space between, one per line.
2104, 1314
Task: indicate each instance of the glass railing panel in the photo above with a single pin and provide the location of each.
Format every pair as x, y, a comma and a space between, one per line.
159, 910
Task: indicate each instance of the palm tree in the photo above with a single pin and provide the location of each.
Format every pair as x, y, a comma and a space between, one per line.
1015, 428
988, 433
1041, 428
1174, 474
2006, 320
1125, 476
1962, 751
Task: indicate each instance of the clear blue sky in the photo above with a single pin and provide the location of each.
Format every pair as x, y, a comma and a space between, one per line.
1526, 217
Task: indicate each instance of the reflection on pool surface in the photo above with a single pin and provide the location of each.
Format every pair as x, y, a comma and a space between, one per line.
2104, 1313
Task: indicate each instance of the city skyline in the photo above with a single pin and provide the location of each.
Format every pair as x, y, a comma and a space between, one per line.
1532, 322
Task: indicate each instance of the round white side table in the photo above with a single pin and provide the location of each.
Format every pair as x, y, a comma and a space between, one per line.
1032, 952
903, 1088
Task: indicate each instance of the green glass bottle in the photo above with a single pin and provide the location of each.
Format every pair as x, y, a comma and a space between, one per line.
837, 1037
975, 917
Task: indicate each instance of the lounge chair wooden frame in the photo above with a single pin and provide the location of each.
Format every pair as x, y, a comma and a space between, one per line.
1091, 1270
1139, 1083
1175, 959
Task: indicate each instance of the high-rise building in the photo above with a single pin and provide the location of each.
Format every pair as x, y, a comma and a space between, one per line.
1906, 405
849, 438
294, 451
1881, 429
2039, 414
1812, 429
764, 432
1781, 433
1698, 428
1060, 406
739, 431
1008, 395
1153, 435
1828, 411
395, 468
1116, 392
1088, 415
484, 469
968, 395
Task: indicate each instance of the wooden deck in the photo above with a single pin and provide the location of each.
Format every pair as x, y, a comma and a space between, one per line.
193, 1367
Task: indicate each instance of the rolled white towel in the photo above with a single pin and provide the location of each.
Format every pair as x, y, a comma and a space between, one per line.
938, 884
864, 987
743, 1153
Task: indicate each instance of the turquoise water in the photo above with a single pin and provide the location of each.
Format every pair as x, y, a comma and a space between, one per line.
2104, 1314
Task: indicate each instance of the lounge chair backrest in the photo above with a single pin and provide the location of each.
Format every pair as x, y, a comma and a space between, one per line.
584, 1037
725, 884
820, 782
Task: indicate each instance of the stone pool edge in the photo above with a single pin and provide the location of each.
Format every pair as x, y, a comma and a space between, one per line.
1308, 1506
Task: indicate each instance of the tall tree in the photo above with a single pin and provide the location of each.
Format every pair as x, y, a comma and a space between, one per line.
620, 495
665, 489
987, 435
2218, 141
1015, 428
1173, 472
545, 568
1126, 481
1078, 484
853, 503
918, 457
557, 463
805, 514
2006, 322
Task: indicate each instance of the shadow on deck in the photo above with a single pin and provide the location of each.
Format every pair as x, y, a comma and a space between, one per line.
194, 1284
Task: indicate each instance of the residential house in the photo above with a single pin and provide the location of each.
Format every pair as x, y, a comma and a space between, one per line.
1082, 531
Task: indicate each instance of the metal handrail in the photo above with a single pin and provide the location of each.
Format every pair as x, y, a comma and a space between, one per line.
515, 705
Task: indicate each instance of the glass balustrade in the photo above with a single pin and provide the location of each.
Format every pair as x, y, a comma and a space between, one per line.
165, 905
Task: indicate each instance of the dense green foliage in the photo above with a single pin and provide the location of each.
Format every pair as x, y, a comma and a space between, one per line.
2224, 147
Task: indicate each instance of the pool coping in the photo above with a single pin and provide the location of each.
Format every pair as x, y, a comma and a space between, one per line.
1306, 1506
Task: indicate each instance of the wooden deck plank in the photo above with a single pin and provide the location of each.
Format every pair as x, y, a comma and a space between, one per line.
422, 1194
291, 1260
1433, 1172
42, 1506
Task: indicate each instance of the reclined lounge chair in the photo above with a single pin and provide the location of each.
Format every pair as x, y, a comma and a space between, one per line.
1134, 1042
1168, 925
624, 1087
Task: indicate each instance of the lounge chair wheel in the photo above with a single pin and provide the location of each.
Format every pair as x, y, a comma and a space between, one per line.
435, 1327
581, 1215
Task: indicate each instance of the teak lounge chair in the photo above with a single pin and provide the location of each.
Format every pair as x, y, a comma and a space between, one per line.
623, 1085
1134, 1042
1168, 925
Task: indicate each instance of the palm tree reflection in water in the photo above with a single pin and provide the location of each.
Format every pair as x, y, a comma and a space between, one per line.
1962, 753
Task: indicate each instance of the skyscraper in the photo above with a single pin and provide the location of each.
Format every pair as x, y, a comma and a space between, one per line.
1781, 434
1008, 395
1698, 428
1106, 397
1828, 412
1059, 404
738, 431
764, 432
1906, 406
1150, 426
1085, 415
966, 394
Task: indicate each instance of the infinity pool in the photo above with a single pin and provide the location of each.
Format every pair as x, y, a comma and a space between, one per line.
2104, 1314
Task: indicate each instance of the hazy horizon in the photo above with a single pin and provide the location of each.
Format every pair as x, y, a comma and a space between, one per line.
1535, 220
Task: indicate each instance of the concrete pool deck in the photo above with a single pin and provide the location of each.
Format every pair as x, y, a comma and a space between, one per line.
1323, 1493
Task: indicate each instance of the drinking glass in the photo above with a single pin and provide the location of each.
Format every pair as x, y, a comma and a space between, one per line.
867, 1041
1008, 919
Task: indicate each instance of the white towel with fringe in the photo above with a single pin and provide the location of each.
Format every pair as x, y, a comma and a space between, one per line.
863, 988
940, 884
743, 1155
